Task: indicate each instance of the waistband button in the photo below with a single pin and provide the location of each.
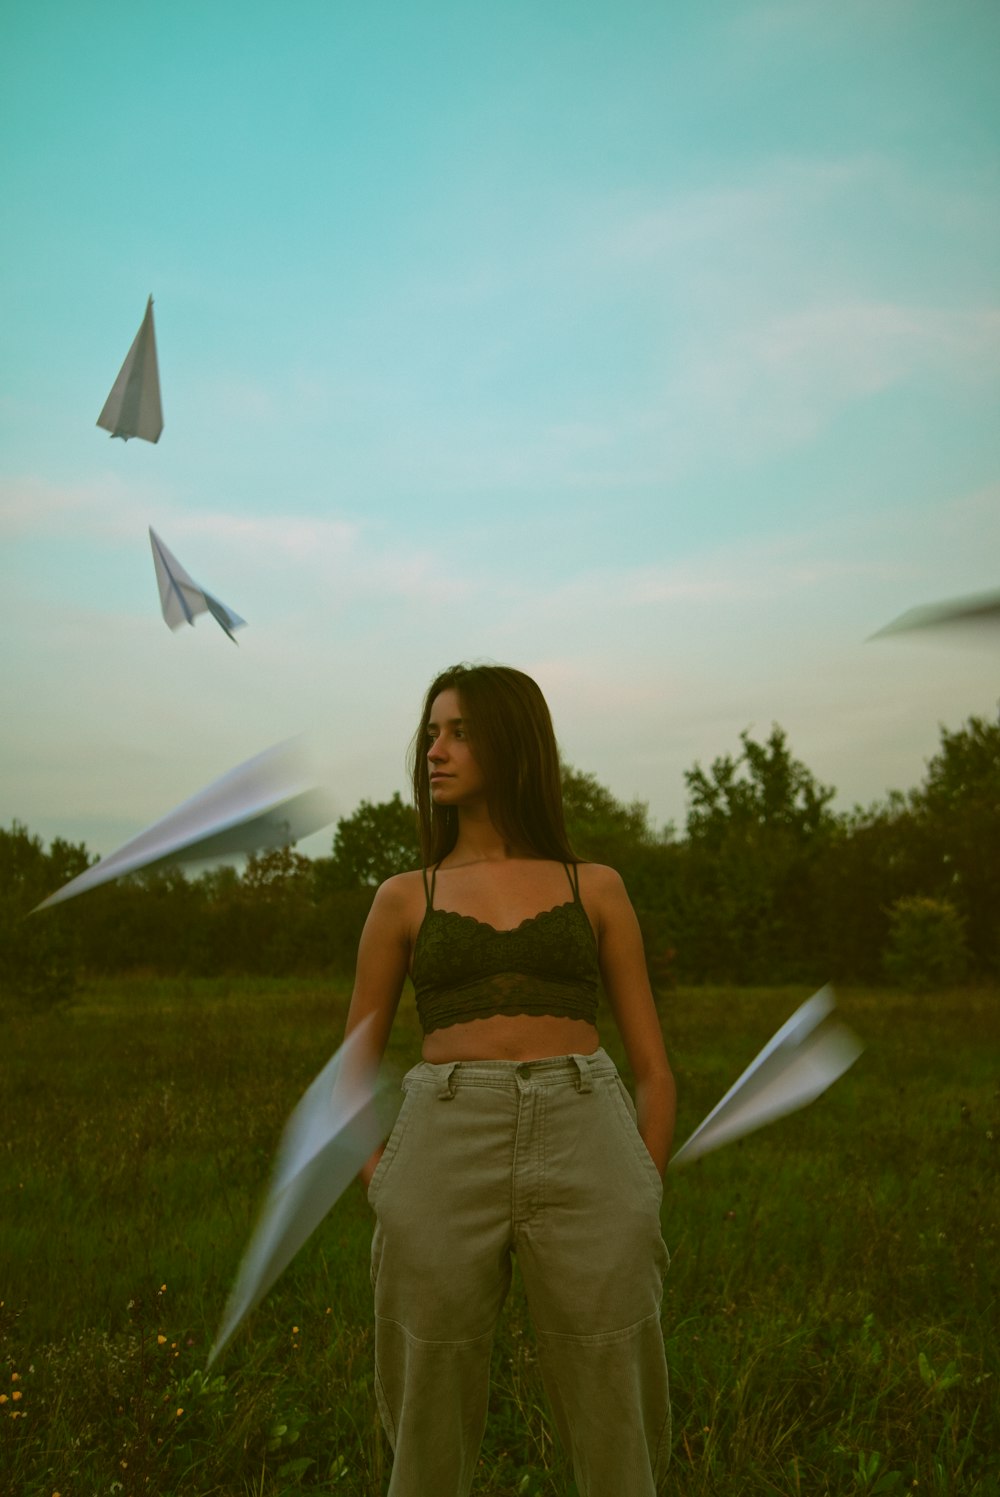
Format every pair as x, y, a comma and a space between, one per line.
524, 1070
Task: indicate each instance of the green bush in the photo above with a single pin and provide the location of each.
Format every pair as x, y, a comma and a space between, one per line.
38, 953
926, 946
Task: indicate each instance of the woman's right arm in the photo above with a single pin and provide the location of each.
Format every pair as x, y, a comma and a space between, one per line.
383, 958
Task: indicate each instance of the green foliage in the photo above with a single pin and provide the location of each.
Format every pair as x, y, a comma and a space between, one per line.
280, 917
926, 947
277, 902
966, 771
938, 1383
873, 858
758, 826
278, 877
373, 844
767, 885
602, 829
764, 788
957, 812
38, 955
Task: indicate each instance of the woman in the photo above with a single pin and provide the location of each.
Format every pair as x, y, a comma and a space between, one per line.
515, 1134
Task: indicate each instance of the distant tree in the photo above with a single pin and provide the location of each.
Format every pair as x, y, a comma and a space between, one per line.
957, 812
762, 788
756, 826
599, 826
277, 895
926, 944
965, 771
38, 953
66, 860
149, 921
278, 875
376, 841
603, 829
874, 858
219, 884
768, 884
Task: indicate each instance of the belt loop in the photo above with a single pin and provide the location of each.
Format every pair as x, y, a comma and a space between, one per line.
447, 1092
582, 1077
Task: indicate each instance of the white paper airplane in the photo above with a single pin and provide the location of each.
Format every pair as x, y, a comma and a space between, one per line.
270, 801
181, 598
973, 611
806, 1056
327, 1139
133, 408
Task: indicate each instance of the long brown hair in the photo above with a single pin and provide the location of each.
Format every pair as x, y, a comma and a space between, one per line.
511, 735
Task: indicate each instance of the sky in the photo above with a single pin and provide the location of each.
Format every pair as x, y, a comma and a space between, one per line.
653, 348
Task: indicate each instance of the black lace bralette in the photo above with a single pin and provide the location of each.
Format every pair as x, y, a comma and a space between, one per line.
465, 969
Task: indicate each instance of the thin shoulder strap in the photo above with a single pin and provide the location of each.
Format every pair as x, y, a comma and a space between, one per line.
429, 889
573, 874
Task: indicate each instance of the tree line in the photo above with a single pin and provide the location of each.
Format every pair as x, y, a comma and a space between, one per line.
768, 884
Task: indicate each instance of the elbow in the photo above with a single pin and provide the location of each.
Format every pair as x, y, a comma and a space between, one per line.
657, 1075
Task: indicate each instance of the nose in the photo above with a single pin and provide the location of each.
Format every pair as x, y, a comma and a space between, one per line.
435, 753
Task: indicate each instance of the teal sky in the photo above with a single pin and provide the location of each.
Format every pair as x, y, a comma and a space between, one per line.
652, 348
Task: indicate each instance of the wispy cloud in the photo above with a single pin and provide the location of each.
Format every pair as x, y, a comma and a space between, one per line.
759, 306
858, 348
38, 507
780, 379
295, 555
816, 24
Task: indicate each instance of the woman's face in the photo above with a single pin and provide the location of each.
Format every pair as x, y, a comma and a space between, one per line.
455, 777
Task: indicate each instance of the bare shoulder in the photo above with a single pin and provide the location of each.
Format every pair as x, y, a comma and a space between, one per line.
401, 887
600, 881
604, 895
400, 894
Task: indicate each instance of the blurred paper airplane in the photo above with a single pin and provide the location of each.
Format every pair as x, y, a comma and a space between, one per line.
327, 1139
133, 407
807, 1055
971, 612
270, 801
180, 596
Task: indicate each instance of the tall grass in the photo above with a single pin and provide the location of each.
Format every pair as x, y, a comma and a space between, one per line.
831, 1310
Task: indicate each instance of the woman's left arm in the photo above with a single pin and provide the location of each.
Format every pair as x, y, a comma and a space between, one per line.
626, 983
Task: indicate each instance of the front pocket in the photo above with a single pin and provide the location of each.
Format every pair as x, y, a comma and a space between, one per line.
626, 1113
392, 1144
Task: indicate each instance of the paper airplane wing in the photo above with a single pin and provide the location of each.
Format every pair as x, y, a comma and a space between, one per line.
180, 596
807, 1055
223, 616
973, 611
331, 1133
181, 599
266, 802
133, 407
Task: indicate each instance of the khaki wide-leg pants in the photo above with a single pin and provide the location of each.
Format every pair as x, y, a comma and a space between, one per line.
542, 1159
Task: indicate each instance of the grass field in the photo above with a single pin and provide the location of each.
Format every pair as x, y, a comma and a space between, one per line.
831, 1312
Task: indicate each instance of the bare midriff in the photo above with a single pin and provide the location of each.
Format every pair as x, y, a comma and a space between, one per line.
510, 1037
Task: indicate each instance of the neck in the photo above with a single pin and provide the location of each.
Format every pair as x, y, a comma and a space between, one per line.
479, 841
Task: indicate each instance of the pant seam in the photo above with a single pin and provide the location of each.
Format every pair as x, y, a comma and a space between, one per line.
422, 1341
598, 1338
